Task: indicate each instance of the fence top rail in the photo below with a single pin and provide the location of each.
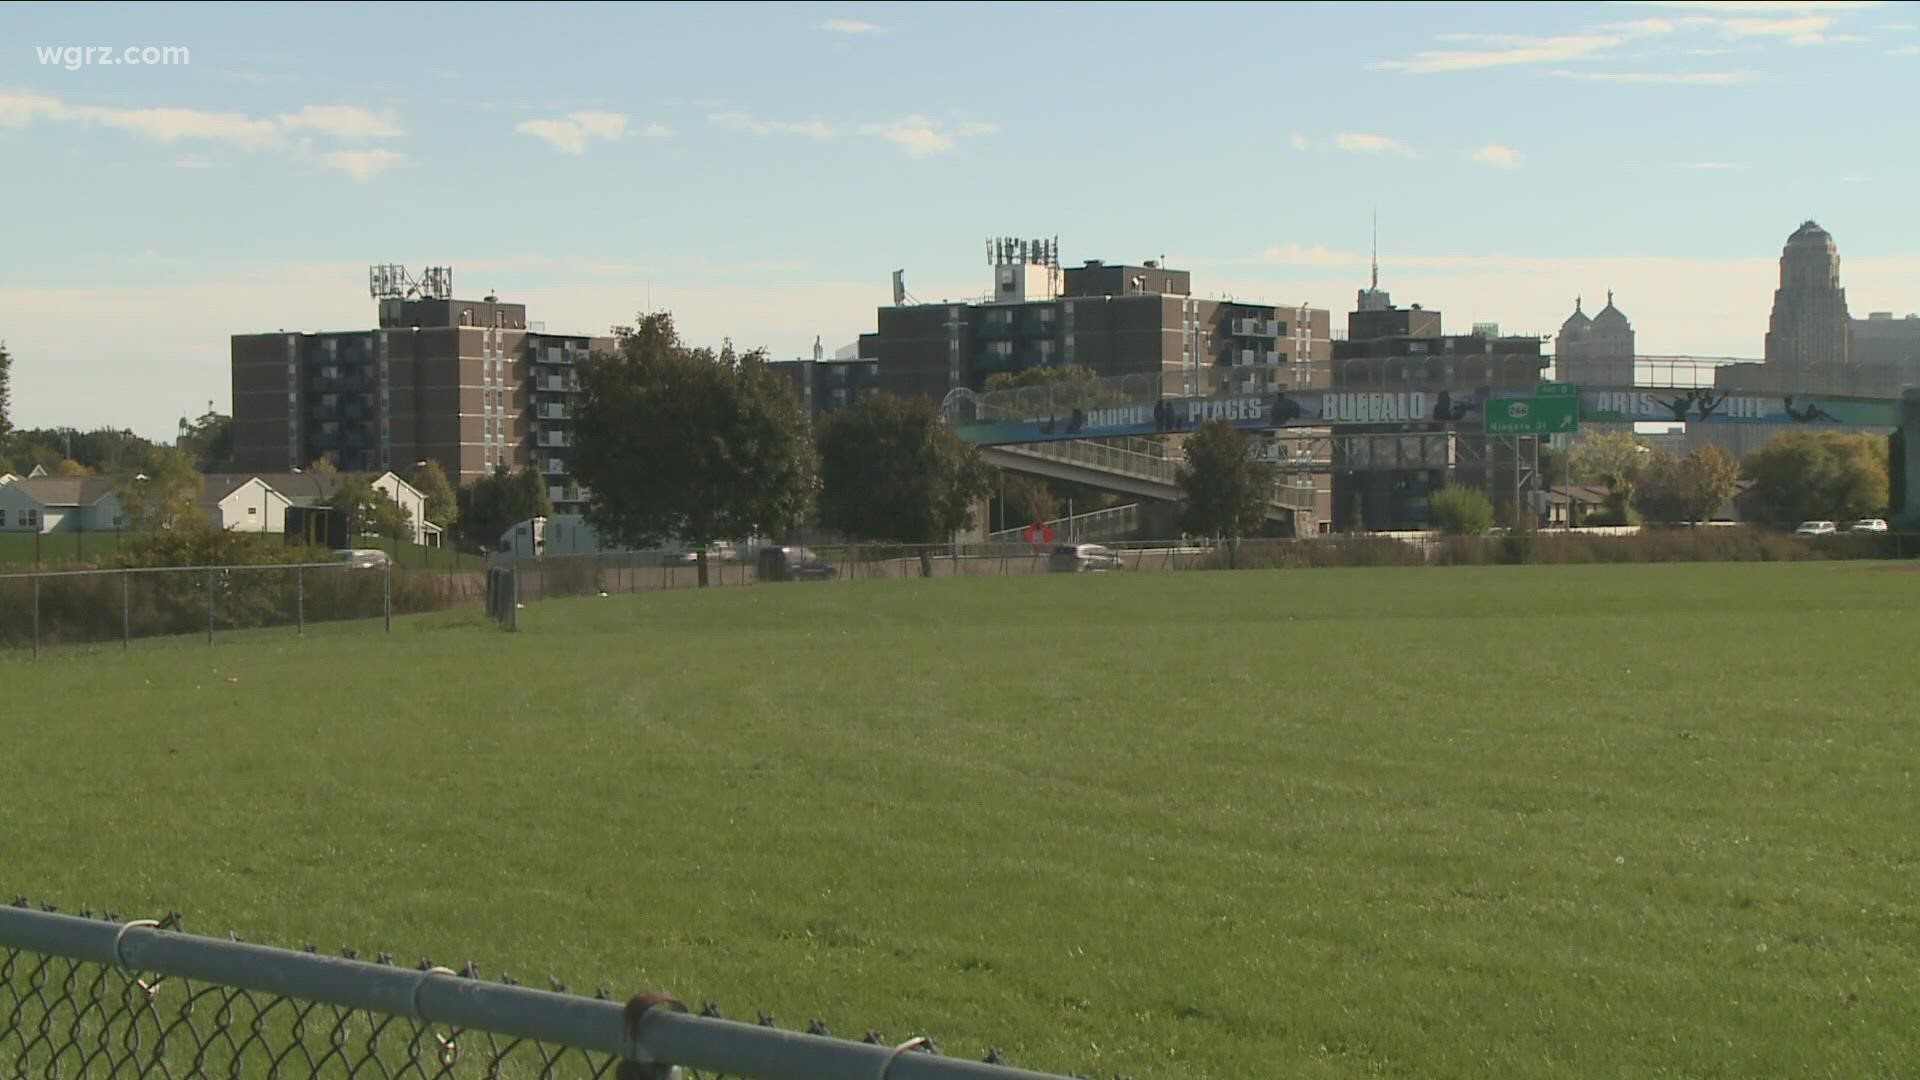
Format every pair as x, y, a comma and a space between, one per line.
97, 571
440, 996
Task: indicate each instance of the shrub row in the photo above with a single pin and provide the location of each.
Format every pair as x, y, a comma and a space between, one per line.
1653, 546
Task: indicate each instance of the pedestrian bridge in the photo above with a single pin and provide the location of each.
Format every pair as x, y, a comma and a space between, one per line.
1160, 404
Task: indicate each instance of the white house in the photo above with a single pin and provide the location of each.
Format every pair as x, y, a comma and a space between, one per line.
50, 504
278, 491
244, 504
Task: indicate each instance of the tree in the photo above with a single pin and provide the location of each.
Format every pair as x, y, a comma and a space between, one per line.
324, 467
891, 470
1224, 486
1615, 461
1804, 476
441, 508
1459, 510
162, 494
1688, 489
1026, 499
1039, 376
70, 467
209, 439
492, 504
682, 442
6, 394
369, 511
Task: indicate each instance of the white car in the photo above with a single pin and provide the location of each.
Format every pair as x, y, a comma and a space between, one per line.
1815, 528
1869, 525
364, 559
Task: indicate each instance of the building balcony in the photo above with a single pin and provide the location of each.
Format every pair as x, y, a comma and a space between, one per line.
555, 355
1253, 357
324, 440
993, 328
552, 439
550, 411
556, 384
553, 466
1260, 328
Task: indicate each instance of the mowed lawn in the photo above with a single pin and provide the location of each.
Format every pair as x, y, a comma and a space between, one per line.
1508, 821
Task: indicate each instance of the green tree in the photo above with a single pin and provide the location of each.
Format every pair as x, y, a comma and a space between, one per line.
1686, 489
209, 439
369, 511
70, 467
1803, 476
682, 442
1224, 486
1026, 499
6, 392
163, 493
1459, 510
492, 504
442, 508
324, 467
1040, 376
1615, 461
891, 470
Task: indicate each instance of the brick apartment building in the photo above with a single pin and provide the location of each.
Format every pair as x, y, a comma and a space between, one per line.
1115, 319
468, 383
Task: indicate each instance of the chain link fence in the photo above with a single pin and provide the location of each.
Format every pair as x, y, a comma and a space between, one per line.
525, 580
85, 995
47, 609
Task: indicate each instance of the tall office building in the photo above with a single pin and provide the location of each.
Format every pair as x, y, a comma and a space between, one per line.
470, 384
1810, 328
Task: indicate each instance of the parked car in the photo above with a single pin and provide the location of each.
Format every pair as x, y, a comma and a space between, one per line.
364, 559
1082, 558
1869, 525
1815, 528
716, 552
793, 564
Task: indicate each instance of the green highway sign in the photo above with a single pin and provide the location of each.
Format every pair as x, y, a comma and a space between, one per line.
1540, 415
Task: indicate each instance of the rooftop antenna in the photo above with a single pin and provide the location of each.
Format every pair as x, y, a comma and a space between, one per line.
1376, 248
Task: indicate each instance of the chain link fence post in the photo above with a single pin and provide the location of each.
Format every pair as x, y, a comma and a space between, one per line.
386, 597
300, 601
209, 606
126, 610
513, 600
36, 617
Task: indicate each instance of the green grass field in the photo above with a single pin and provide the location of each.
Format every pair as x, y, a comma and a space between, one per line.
1527, 821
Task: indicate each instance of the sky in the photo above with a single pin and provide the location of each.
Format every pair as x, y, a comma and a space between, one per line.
761, 170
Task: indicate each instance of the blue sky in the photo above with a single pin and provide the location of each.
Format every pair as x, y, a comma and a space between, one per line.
760, 170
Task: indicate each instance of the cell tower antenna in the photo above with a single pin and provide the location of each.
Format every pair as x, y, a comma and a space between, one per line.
1376, 248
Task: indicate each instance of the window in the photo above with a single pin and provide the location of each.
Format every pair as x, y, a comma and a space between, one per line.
32, 518
253, 511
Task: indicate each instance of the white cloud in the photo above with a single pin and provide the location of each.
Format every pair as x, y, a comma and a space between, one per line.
364, 164
195, 163
1362, 143
1794, 27
167, 125
852, 26
1905, 50
739, 121
1714, 166
1900, 27
921, 137
1298, 142
1664, 78
343, 122
571, 133
656, 130
1513, 51
1497, 155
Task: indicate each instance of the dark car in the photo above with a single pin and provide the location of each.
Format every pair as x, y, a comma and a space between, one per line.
793, 564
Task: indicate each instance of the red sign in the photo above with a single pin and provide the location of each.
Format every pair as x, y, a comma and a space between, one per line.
1039, 533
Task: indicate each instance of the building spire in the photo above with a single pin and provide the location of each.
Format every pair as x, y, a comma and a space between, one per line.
1376, 248
1609, 297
